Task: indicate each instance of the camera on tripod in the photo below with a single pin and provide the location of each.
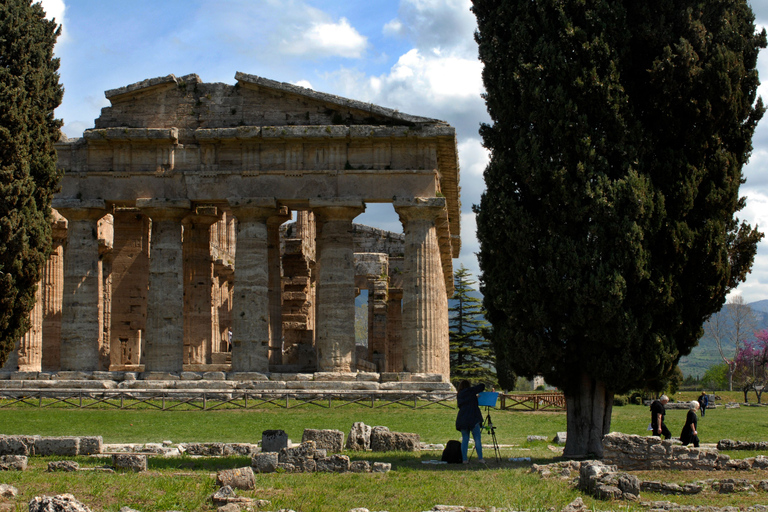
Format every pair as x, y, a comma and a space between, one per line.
488, 399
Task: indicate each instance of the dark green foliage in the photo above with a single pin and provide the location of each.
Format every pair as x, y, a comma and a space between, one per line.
607, 231
29, 93
471, 352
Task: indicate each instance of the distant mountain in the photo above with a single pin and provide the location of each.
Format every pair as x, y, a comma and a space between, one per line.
760, 305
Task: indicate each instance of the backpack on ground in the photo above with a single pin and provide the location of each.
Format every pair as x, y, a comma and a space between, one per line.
452, 452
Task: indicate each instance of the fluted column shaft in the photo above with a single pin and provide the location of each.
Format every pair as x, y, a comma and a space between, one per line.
335, 340
425, 303
81, 331
275, 286
198, 288
164, 344
53, 282
250, 302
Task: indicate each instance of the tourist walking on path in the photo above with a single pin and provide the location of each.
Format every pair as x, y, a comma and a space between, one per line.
703, 402
469, 418
657, 417
690, 433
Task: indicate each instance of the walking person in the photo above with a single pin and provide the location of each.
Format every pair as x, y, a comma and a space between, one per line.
690, 433
469, 418
703, 402
657, 417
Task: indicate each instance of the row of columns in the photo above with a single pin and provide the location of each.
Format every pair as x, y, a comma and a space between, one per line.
174, 335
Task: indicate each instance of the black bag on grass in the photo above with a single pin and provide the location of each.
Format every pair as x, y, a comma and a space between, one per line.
452, 452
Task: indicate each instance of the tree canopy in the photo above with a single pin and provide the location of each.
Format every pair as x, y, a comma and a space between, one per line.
607, 229
471, 352
29, 93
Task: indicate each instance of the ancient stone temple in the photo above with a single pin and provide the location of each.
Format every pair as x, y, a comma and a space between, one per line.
206, 226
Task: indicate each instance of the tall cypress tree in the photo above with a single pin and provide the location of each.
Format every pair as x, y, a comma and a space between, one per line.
607, 230
29, 93
471, 352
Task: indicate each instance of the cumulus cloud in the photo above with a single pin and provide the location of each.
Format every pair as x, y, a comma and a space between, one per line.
303, 83
436, 24
326, 38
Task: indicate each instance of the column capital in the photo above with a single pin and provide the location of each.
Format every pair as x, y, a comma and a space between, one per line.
336, 209
253, 208
164, 209
419, 208
283, 214
80, 209
202, 217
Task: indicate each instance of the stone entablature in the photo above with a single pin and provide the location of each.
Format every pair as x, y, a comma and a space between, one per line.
173, 259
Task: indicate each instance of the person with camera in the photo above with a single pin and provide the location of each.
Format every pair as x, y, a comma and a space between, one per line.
469, 419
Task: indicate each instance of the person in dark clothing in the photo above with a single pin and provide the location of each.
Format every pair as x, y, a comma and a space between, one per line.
657, 417
690, 434
703, 402
469, 418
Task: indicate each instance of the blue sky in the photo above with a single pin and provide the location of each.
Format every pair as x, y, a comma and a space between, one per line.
417, 56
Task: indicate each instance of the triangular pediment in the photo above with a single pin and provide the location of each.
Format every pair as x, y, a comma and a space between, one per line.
187, 102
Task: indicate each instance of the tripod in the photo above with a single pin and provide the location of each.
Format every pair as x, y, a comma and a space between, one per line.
490, 428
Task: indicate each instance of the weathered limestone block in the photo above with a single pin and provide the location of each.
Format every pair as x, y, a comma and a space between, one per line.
560, 438
13, 462
537, 438
66, 446
205, 449
363, 466
8, 491
190, 376
274, 440
59, 503
239, 478
265, 385
382, 440
130, 462
359, 438
90, 445
247, 376
381, 467
330, 440
330, 385
728, 444
305, 450
333, 464
244, 449
607, 492
265, 462
576, 505
590, 474
18, 445
63, 465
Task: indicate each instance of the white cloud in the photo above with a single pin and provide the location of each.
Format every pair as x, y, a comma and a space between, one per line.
326, 39
446, 24
303, 83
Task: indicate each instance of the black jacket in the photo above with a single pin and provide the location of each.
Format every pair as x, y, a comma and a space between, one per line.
469, 412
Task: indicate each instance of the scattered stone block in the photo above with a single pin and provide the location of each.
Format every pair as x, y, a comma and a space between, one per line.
273, 440
8, 491
381, 467
205, 449
13, 462
18, 445
60, 503
240, 478
333, 464
265, 462
363, 466
560, 438
537, 438
62, 446
576, 505
129, 461
382, 440
359, 438
303, 451
91, 445
63, 465
330, 440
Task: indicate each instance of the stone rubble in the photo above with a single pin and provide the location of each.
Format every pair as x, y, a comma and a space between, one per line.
129, 462
63, 465
383, 440
59, 503
728, 444
13, 462
240, 478
359, 438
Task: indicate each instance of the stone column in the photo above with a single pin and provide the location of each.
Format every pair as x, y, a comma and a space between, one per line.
81, 312
275, 286
198, 287
335, 340
425, 302
250, 306
164, 337
27, 354
395, 331
53, 285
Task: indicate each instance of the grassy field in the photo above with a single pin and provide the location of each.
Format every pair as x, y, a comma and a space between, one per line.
186, 483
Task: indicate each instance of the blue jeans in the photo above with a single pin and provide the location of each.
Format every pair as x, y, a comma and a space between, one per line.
465, 442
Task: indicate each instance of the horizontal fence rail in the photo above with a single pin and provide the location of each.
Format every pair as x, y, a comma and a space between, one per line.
207, 400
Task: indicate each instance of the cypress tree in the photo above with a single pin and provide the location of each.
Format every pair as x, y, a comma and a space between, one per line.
471, 352
607, 230
29, 93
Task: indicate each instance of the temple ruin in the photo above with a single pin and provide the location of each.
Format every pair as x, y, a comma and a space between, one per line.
209, 227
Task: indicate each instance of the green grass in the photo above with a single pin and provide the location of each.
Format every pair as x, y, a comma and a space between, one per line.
186, 483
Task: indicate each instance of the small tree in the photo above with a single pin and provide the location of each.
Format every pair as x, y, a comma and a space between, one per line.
729, 328
716, 377
29, 93
751, 369
471, 353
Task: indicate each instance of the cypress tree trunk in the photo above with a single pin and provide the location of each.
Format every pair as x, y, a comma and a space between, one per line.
589, 419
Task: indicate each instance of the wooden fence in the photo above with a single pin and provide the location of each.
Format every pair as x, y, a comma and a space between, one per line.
533, 401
